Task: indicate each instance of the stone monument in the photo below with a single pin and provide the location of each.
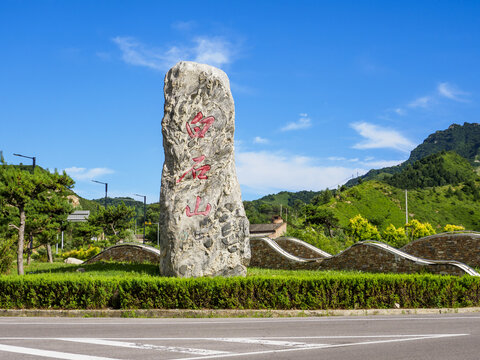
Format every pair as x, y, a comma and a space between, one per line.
203, 227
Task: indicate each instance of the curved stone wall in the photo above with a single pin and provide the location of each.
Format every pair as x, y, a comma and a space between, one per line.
135, 253
377, 257
464, 247
367, 256
301, 248
266, 253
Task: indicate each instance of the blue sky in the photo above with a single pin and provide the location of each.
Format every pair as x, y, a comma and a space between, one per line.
323, 90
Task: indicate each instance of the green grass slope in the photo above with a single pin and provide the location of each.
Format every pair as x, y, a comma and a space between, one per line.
383, 204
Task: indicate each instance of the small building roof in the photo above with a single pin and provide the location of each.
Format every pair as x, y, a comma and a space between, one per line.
264, 228
79, 216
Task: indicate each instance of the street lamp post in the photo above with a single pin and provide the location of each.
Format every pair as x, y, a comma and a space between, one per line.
144, 213
106, 190
34, 159
29, 157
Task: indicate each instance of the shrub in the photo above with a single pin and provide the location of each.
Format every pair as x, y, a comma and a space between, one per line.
309, 291
417, 230
395, 237
452, 228
360, 229
82, 254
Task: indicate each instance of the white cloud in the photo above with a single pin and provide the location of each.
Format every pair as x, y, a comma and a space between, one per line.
213, 51
303, 123
368, 162
399, 111
451, 92
267, 172
260, 140
421, 102
377, 137
381, 163
87, 174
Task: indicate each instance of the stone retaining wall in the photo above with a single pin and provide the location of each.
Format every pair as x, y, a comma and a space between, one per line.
266, 256
300, 248
363, 256
129, 253
370, 258
463, 247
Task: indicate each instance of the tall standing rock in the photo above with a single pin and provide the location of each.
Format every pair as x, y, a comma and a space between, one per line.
203, 227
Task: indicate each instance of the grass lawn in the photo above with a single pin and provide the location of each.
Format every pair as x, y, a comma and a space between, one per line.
148, 270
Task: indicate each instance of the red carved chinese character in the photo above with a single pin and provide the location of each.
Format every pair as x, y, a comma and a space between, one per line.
197, 132
196, 212
202, 169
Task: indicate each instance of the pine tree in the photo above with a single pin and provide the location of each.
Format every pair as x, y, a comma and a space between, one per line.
18, 188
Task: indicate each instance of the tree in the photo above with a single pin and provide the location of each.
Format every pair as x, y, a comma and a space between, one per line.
395, 237
83, 232
360, 229
114, 220
19, 187
7, 252
321, 216
45, 215
417, 230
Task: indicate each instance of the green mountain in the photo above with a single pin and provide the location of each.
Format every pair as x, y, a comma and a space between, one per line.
462, 139
383, 204
117, 201
434, 170
440, 175
261, 211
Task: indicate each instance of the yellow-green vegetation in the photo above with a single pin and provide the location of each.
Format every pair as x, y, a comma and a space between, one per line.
417, 230
82, 254
383, 204
395, 237
452, 228
360, 229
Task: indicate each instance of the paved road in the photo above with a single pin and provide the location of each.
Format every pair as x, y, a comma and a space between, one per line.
366, 337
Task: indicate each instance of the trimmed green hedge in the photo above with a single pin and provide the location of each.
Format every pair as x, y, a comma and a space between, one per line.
349, 291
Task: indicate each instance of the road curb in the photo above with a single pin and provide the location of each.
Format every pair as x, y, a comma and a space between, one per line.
210, 313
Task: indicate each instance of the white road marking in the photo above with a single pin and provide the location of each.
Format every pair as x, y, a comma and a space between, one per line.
257, 337
322, 346
49, 353
185, 350
263, 341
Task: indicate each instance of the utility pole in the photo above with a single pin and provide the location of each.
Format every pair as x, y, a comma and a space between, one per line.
406, 206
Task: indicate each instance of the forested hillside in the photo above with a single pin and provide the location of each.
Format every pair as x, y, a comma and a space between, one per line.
461, 139
434, 170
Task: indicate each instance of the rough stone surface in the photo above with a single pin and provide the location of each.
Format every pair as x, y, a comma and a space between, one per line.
72, 260
463, 247
203, 227
135, 253
264, 256
361, 257
369, 258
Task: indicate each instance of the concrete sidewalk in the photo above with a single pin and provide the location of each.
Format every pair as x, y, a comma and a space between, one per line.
210, 313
